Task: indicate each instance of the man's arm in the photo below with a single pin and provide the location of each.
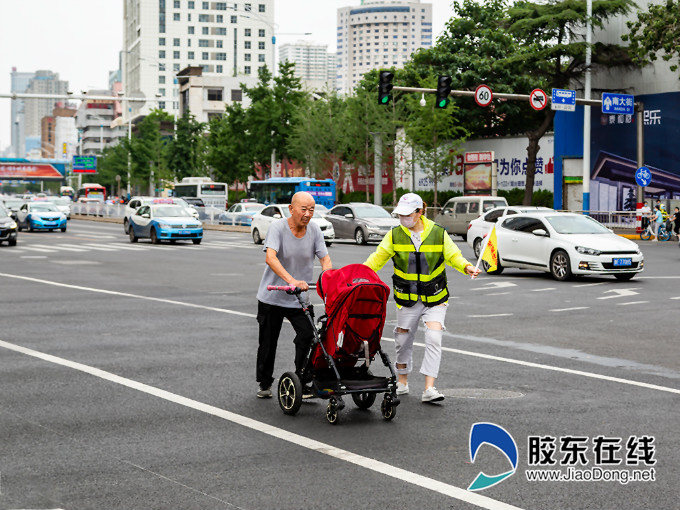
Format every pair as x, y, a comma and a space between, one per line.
326, 263
272, 260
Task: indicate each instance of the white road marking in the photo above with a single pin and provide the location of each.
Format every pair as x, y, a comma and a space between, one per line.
492, 315
543, 290
36, 248
120, 246
99, 235
633, 303
252, 316
676, 297
68, 248
495, 285
497, 294
97, 247
620, 293
590, 284
323, 448
570, 309
34, 256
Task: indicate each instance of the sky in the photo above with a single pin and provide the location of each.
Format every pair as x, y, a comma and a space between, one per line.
81, 39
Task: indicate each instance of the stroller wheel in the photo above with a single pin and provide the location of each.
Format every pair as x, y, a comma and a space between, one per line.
332, 412
290, 393
388, 409
363, 400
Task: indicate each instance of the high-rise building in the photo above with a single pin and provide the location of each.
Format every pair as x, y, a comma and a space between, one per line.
19, 84
43, 82
163, 36
58, 134
379, 34
312, 64
94, 119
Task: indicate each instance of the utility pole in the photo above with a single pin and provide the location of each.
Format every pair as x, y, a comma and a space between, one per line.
377, 171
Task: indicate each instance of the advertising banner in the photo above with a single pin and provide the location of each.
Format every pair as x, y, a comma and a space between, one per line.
29, 171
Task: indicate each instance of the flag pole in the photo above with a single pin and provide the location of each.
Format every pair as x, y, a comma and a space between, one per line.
481, 251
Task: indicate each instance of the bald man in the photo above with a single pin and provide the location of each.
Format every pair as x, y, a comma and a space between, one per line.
291, 245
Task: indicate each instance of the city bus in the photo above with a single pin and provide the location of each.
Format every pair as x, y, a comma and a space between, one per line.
92, 191
280, 190
213, 194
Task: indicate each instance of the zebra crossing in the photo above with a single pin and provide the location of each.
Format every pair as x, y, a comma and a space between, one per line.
26, 247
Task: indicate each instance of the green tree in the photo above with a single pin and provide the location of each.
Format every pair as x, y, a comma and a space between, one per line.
113, 162
656, 30
186, 151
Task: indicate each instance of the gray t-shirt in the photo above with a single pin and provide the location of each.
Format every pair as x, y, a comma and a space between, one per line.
297, 257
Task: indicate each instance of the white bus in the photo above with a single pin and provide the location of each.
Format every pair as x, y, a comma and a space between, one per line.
213, 194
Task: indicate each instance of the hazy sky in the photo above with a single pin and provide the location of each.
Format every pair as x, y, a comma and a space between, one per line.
80, 39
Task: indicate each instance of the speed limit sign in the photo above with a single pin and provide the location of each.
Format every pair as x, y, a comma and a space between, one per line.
483, 95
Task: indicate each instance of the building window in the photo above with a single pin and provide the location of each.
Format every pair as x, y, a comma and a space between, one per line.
236, 95
191, 30
175, 41
189, 43
247, 32
221, 30
260, 57
246, 57
191, 4
248, 7
161, 66
161, 54
205, 31
175, 55
260, 32
219, 18
260, 8
246, 44
214, 94
161, 79
218, 69
203, 43
161, 105
204, 56
176, 3
221, 6
175, 67
234, 19
218, 44
190, 55
203, 18
206, 5
260, 45
220, 56
246, 70
175, 16
161, 92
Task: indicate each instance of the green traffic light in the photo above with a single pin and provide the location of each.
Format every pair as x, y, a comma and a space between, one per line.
442, 103
385, 99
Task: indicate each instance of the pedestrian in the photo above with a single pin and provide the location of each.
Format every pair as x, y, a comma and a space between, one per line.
645, 212
658, 220
675, 218
419, 249
291, 245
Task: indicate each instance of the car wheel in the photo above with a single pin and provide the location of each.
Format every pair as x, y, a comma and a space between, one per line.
126, 226
196, 241
624, 276
359, 236
63, 229
256, 236
329, 244
498, 270
133, 237
19, 227
154, 236
173, 241
464, 236
29, 225
12, 242
477, 247
560, 266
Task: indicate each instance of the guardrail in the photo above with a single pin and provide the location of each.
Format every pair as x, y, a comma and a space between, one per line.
208, 215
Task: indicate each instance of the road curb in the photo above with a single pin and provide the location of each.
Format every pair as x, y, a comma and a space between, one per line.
223, 228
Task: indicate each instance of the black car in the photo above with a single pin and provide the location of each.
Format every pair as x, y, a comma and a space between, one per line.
8, 227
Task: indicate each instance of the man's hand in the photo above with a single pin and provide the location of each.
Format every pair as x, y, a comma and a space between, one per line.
470, 270
300, 284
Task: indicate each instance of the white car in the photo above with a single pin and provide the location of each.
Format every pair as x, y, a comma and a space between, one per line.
63, 204
271, 213
564, 244
481, 226
136, 202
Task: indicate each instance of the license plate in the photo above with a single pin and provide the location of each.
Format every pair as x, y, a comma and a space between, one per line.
623, 262
50, 224
184, 232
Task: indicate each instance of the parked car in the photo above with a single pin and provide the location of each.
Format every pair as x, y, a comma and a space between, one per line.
480, 227
8, 227
12, 204
136, 202
164, 222
458, 212
360, 221
564, 244
240, 214
271, 213
40, 216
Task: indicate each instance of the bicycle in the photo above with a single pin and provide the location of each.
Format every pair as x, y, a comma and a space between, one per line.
662, 234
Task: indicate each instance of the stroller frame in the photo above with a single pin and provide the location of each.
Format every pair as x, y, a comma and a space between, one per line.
363, 389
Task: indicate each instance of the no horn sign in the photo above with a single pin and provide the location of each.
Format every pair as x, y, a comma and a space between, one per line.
538, 99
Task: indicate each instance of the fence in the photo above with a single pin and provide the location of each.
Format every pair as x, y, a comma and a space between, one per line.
208, 215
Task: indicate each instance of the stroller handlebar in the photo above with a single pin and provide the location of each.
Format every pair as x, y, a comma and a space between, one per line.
290, 289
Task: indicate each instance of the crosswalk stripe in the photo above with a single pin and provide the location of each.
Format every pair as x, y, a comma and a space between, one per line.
59, 247
42, 250
97, 247
128, 247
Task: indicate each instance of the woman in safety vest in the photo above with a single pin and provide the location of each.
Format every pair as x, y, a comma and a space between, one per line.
419, 249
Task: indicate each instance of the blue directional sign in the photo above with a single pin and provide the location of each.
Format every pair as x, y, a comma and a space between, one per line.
563, 99
618, 104
643, 176
85, 164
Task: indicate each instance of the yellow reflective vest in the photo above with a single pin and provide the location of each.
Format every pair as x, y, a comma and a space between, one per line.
419, 274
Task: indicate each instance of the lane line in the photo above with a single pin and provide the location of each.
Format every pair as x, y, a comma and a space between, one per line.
543, 290
570, 309
448, 349
492, 315
677, 297
591, 284
497, 294
633, 303
92, 246
290, 437
36, 248
65, 247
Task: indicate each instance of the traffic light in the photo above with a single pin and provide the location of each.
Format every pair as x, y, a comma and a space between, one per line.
443, 91
385, 87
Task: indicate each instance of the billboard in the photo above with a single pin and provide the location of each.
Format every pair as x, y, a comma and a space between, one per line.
29, 171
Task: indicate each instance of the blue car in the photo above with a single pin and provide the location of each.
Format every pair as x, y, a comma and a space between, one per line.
240, 214
40, 216
165, 222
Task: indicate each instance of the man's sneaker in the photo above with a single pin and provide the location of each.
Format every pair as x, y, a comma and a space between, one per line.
402, 389
265, 393
432, 395
307, 392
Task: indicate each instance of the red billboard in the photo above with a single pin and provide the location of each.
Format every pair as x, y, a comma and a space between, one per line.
29, 171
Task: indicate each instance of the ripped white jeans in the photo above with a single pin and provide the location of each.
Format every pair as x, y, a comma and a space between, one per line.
407, 319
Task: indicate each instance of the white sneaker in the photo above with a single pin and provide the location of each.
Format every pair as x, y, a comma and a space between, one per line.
402, 389
432, 395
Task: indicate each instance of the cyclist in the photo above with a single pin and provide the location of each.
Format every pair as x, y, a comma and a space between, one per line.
658, 220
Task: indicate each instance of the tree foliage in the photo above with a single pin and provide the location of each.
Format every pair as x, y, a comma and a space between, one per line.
185, 151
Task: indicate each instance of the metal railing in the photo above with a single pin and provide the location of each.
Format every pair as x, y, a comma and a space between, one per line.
208, 215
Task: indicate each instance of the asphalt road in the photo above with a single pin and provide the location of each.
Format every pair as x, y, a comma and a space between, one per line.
128, 374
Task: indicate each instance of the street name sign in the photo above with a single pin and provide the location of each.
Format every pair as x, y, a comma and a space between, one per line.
564, 100
618, 104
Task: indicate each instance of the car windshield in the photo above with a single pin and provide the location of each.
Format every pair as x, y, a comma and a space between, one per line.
43, 208
576, 225
13, 203
253, 207
370, 211
62, 201
3, 213
170, 212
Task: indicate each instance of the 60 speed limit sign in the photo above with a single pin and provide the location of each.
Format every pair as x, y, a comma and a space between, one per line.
483, 95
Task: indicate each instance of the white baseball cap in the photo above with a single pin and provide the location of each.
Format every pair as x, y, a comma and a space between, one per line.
407, 204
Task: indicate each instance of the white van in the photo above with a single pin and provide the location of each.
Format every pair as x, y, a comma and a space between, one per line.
458, 212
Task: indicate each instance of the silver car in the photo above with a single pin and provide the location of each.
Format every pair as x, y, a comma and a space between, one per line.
360, 221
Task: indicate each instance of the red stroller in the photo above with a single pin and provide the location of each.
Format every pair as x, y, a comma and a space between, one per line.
346, 342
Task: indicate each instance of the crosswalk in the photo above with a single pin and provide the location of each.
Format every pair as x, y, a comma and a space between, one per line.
26, 248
